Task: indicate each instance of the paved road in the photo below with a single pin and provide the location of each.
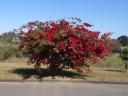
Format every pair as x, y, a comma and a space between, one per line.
61, 89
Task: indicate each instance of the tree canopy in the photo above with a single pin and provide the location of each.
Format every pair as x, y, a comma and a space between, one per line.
123, 40
63, 43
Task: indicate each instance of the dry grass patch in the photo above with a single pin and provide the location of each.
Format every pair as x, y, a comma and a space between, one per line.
19, 70
109, 74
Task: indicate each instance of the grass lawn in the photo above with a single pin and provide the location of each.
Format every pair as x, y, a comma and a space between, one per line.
17, 69
113, 61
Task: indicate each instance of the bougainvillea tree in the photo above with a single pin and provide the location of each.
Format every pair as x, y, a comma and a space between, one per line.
63, 43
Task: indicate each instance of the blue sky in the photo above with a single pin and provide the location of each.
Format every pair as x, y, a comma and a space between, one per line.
105, 15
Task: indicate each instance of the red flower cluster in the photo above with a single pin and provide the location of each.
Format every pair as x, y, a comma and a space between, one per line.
64, 43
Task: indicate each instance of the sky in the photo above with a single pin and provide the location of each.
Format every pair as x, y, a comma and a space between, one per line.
105, 15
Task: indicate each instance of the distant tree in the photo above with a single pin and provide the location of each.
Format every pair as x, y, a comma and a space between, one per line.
8, 45
9, 37
117, 46
123, 40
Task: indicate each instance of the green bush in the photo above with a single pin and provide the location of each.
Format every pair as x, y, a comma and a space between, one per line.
18, 54
9, 51
7, 54
124, 54
124, 57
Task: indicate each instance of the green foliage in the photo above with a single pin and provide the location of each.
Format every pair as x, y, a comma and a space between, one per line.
123, 40
8, 51
9, 37
113, 61
8, 45
124, 54
124, 57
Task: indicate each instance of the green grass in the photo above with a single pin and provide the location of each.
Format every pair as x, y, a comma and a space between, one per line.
113, 61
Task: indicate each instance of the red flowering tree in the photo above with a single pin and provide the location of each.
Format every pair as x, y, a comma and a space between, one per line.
63, 43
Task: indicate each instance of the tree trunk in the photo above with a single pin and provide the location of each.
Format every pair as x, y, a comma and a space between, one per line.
54, 70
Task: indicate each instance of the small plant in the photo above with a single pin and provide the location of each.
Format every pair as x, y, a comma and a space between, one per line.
124, 57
